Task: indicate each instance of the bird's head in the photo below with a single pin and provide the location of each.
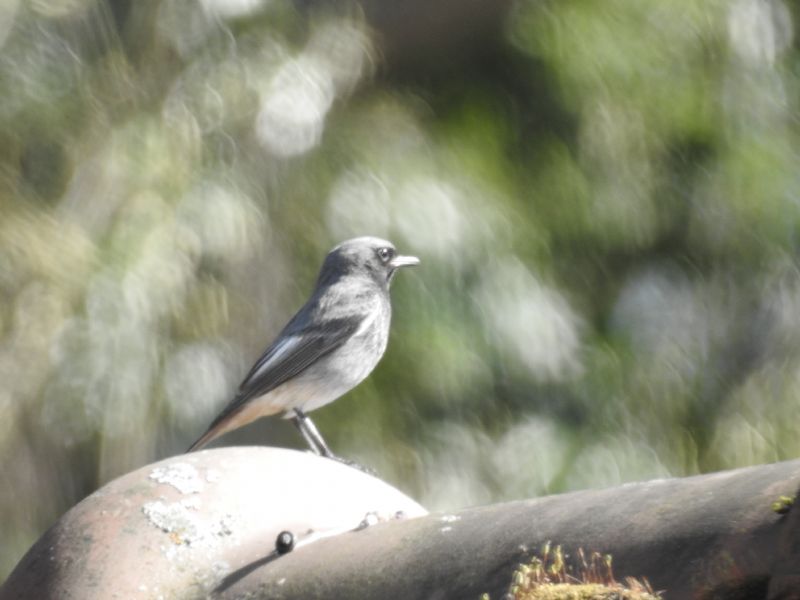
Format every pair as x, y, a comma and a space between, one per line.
364, 256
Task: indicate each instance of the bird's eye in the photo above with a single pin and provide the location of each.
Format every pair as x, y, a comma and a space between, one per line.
385, 254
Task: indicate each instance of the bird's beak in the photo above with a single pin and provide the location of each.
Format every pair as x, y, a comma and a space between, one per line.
403, 261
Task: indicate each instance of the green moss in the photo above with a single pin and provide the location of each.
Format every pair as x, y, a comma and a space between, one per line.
783, 504
549, 578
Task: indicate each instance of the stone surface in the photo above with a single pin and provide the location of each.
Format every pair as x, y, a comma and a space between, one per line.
179, 527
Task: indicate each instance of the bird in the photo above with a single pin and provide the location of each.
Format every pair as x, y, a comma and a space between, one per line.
327, 348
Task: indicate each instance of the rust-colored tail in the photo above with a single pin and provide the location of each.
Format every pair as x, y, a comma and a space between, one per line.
225, 421
204, 439
238, 413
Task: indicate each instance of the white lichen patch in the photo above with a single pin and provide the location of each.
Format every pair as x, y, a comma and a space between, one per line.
222, 526
185, 527
182, 476
220, 569
192, 502
446, 528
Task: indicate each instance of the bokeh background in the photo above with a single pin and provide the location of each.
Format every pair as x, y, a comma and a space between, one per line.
605, 197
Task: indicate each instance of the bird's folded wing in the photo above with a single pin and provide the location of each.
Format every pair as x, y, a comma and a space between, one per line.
290, 355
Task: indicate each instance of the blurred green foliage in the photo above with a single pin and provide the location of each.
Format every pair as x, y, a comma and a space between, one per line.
605, 197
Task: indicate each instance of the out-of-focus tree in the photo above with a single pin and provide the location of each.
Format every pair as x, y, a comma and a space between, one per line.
605, 197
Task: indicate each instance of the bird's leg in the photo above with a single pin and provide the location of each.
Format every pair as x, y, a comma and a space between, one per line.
318, 445
311, 435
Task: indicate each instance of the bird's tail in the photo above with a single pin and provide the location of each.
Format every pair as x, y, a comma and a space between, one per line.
203, 440
224, 422
241, 411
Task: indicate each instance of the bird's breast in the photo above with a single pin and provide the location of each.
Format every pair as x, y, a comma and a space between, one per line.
336, 373
356, 358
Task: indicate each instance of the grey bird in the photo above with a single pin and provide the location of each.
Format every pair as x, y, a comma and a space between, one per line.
330, 346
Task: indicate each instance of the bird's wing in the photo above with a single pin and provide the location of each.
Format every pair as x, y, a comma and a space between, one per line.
292, 353
287, 357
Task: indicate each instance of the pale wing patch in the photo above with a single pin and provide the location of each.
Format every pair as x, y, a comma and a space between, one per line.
282, 348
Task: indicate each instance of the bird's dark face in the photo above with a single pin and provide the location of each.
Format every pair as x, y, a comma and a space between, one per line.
367, 256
